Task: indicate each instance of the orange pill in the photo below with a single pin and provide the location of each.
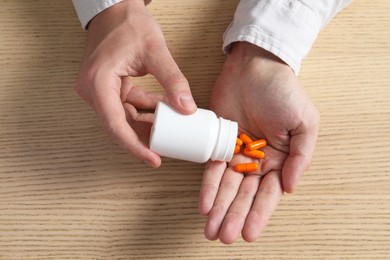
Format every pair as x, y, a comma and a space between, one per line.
246, 167
237, 149
254, 154
256, 144
239, 141
245, 138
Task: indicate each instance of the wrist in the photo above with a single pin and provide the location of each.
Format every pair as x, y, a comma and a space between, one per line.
243, 53
113, 21
116, 14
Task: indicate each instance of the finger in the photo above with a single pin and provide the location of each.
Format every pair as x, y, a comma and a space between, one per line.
238, 211
228, 189
132, 115
108, 105
212, 176
268, 196
166, 71
236, 216
141, 123
137, 96
302, 145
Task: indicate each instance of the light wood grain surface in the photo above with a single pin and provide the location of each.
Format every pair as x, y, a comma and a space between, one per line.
68, 192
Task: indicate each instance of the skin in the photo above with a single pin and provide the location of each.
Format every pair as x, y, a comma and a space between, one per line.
124, 41
255, 89
264, 96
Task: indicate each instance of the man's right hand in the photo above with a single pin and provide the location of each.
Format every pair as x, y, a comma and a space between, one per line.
125, 41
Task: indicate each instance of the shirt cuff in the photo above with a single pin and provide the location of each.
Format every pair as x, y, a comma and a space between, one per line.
285, 28
88, 9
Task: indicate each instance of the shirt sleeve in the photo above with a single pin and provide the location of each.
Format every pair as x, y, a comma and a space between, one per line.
286, 28
88, 9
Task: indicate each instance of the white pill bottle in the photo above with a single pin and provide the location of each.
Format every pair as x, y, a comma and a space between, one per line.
197, 138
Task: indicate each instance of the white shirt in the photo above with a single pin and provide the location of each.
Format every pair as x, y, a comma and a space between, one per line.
87, 9
286, 28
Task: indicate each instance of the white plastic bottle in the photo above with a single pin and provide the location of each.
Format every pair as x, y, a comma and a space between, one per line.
196, 138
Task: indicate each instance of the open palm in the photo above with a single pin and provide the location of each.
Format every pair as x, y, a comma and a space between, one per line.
264, 96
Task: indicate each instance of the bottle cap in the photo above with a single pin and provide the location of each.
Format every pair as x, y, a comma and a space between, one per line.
226, 142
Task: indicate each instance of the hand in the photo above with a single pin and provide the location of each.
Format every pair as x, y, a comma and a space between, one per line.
263, 95
124, 41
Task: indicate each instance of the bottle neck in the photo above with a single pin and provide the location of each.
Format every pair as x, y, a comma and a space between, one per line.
226, 141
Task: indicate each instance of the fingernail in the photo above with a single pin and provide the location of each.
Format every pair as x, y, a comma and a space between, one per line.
188, 102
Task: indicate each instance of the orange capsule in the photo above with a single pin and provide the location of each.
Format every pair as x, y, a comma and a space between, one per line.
245, 138
256, 144
246, 167
254, 154
237, 149
239, 141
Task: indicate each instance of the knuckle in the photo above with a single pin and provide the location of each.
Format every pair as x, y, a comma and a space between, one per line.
154, 46
266, 191
246, 195
236, 214
85, 80
228, 186
219, 208
209, 187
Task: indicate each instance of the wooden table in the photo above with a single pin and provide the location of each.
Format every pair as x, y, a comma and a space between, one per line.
68, 192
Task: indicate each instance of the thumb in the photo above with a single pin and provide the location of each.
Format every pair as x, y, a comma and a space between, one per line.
302, 146
176, 86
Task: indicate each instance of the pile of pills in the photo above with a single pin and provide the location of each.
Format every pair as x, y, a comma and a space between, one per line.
251, 149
